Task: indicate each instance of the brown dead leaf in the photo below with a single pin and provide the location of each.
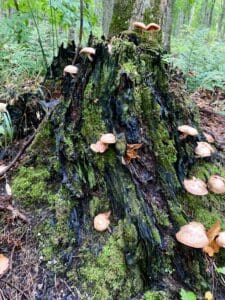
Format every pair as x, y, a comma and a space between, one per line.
4, 264
213, 231
131, 152
212, 247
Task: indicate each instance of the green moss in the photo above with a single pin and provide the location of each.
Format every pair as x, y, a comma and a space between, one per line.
43, 144
98, 204
155, 295
31, 185
107, 275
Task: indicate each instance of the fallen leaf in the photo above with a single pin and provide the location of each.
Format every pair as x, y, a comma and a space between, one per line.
212, 247
213, 231
131, 152
4, 264
208, 295
8, 189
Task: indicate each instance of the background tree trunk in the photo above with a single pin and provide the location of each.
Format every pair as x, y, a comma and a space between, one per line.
120, 15
126, 93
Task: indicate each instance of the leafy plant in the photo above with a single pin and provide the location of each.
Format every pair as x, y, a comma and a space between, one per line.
186, 295
200, 58
221, 270
6, 129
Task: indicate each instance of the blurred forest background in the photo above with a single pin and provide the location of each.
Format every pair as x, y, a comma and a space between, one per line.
31, 31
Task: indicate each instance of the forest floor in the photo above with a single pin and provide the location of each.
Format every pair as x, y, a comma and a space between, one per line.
27, 277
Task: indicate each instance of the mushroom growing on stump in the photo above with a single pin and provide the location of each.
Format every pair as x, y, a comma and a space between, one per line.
101, 221
99, 147
220, 240
204, 149
216, 184
187, 130
139, 25
89, 51
108, 138
153, 27
70, 69
193, 235
195, 186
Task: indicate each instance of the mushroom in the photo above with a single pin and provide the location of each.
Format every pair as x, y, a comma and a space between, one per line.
3, 107
216, 184
209, 138
101, 221
139, 25
195, 186
108, 138
204, 149
187, 130
72, 70
193, 235
220, 240
4, 264
153, 27
99, 147
89, 52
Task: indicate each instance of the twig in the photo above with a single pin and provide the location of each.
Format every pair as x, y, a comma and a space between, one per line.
15, 287
212, 112
15, 212
3, 172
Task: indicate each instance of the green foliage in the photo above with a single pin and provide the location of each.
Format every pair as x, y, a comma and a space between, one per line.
6, 129
185, 295
221, 270
201, 59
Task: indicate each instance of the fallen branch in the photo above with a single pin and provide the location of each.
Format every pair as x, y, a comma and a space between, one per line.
26, 144
15, 212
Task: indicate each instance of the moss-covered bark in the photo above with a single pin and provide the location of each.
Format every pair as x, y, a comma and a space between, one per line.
126, 93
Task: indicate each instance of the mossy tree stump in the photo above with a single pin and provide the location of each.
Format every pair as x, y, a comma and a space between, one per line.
126, 93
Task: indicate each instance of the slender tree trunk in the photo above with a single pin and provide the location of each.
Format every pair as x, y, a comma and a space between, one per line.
126, 93
221, 18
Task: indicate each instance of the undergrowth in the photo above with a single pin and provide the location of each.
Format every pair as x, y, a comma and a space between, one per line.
201, 58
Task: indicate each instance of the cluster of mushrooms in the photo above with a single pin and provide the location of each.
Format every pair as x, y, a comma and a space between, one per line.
195, 235
90, 52
195, 186
103, 143
73, 70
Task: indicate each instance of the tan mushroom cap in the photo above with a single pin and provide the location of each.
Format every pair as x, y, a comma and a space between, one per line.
204, 149
220, 240
188, 130
139, 25
209, 138
88, 51
70, 69
99, 147
3, 107
4, 264
101, 221
193, 235
108, 138
153, 27
195, 186
216, 184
